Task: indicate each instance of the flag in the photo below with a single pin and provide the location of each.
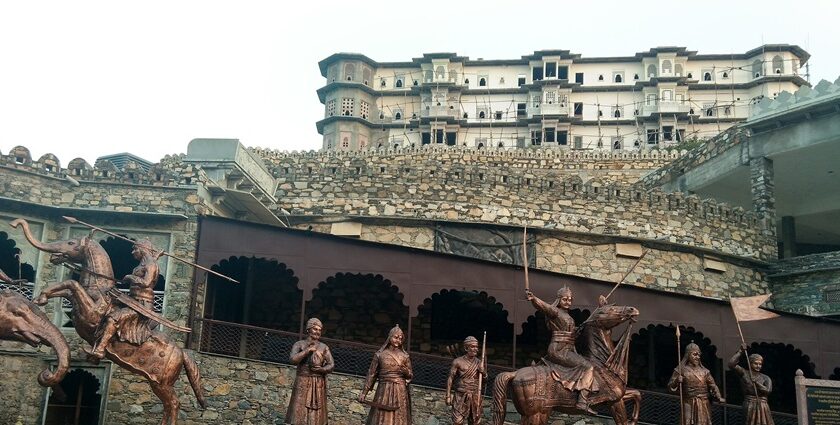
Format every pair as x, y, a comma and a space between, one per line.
747, 308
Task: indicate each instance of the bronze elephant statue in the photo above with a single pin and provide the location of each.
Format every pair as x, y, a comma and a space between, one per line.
21, 320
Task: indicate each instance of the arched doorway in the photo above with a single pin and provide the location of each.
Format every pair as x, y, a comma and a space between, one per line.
780, 363
267, 295
358, 307
75, 401
11, 264
653, 356
532, 343
445, 319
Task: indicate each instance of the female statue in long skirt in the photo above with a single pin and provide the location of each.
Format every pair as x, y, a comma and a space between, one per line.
391, 367
308, 404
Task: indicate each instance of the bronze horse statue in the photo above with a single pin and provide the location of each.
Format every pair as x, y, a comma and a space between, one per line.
158, 359
536, 393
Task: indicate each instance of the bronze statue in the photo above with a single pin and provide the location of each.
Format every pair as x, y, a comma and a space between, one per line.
465, 373
576, 373
308, 404
756, 386
391, 367
23, 321
697, 385
125, 322
158, 359
536, 390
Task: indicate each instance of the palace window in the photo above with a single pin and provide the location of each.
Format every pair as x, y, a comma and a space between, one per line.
708, 110
651, 99
551, 70
617, 77
398, 115
757, 68
347, 106
521, 110
535, 100
482, 82
616, 143
520, 80
652, 136
666, 66
707, 76
550, 97
331, 107
678, 69
668, 133
536, 137
498, 115
600, 78
635, 76
666, 95
345, 142
549, 135
724, 75
778, 65
349, 70
382, 82
651, 71
578, 109
578, 140
579, 77
364, 109
399, 83
616, 111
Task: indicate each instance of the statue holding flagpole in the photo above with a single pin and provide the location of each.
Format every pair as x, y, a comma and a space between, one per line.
755, 385
695, 384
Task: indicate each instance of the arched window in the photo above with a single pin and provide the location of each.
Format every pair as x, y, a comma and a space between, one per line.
349, 71
778, 65
467, 81
666, 66
466, 115
345, 142
707, 76
440, 72
399, 83
710, 112
481, 114
635, 76
651, 71
757, 68
482, 82
382, 82
690, 75
600, 78
617, 112
398, 116
617, 78
725, 74
678, 69
501, 144
415, 83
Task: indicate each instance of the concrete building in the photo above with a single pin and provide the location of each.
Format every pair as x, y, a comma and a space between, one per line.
551, 98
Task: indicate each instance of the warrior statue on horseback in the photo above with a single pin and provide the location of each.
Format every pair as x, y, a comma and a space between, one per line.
572, 370
126, 322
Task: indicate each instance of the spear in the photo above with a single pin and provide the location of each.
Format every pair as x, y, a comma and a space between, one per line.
74, 220
525, 255
679, 367
628, 273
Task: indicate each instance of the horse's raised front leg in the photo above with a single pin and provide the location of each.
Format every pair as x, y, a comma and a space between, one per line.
71, 290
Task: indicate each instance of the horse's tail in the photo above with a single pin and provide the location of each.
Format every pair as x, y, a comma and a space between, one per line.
194, 377
500, 386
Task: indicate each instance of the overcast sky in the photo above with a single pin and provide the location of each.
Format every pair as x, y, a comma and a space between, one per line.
91, 78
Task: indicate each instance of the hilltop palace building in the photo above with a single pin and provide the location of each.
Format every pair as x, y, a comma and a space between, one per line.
551, 98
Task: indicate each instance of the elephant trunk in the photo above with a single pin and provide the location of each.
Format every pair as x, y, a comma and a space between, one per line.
54, 338
19, 222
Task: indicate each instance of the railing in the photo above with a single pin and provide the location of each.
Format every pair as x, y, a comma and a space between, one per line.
24, 288
157, 302
255, 343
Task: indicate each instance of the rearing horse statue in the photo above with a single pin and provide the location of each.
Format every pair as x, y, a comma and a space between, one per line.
536, 393
158, 359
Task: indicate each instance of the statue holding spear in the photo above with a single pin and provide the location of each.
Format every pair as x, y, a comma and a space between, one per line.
466, 375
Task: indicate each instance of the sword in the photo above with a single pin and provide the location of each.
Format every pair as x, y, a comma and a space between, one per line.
379, 406
130, 302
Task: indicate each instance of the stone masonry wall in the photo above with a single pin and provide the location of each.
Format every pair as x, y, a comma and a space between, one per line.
809, 284
249, 392
21, 397
540, 192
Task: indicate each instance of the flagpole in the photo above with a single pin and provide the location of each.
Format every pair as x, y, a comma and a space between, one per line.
679, 366
744, 344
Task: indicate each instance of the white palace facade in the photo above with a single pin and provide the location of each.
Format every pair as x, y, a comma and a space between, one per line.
549, 99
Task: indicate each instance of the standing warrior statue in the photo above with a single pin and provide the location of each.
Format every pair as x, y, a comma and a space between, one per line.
390, 366
126, 323
697, 385
464, 373
308, 405
572, 370
756, 386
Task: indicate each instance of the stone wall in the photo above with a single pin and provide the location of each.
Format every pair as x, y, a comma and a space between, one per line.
21, 397
809, 284
512, 189
249, 392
